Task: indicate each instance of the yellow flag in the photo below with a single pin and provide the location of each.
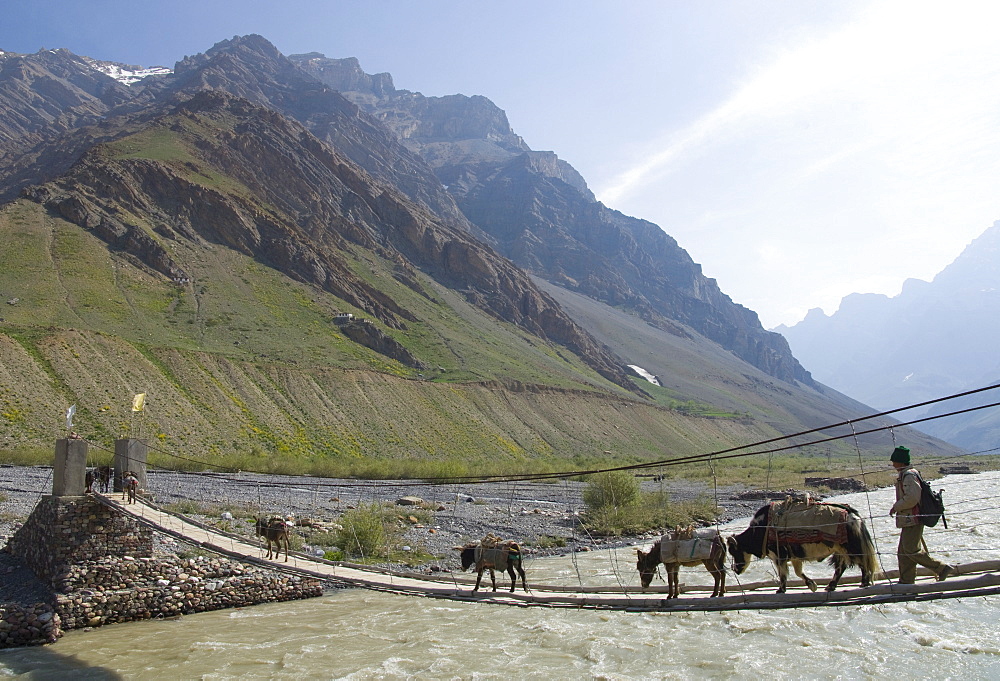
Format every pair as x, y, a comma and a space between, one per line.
138, 402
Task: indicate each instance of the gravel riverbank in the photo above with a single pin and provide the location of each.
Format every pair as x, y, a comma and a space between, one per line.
543, 516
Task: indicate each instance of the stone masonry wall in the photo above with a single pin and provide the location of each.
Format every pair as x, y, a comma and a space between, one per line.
100, 566
26, 625
67, 530
112, 590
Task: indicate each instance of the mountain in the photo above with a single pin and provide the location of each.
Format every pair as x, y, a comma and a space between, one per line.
932, 340
285, 275
537, 210
52, 91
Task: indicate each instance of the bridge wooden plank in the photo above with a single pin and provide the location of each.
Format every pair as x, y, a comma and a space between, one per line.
973, 579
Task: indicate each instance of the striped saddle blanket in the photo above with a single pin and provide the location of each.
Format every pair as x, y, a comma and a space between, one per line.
699, 547
806, 523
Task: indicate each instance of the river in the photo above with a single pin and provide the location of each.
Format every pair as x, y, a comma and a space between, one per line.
358, 634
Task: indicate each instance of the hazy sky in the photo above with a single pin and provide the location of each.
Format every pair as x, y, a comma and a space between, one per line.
800, 151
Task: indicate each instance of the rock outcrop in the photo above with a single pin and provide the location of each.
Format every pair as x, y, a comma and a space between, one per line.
537, 210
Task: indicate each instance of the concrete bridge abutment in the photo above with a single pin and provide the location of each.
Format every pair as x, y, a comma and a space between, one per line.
130, 455
69, 471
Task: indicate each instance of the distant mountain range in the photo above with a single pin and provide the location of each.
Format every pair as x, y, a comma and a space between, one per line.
195, 232
932, 340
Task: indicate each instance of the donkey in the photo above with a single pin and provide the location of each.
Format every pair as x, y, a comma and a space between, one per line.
688, 547
130, 485
274, 531
798, 531
100, 475
504, 556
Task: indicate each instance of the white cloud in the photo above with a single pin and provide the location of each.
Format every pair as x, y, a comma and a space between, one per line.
871, 153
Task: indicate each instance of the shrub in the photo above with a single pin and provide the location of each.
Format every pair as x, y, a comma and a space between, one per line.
321, 538
616, 505
614, 489
548, 541
367, 532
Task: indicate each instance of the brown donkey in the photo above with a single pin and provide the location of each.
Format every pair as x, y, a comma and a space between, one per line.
274, 531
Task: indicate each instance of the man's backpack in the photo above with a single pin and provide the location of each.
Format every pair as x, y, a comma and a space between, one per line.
931, 505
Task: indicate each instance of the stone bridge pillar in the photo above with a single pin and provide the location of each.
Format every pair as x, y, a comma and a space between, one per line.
69, 473
130, 455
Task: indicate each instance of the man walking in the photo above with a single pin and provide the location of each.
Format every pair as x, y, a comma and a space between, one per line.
911, 550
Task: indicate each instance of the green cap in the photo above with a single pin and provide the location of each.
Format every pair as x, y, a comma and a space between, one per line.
901, 455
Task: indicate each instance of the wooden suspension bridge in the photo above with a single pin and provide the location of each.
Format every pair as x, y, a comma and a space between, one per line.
972, 579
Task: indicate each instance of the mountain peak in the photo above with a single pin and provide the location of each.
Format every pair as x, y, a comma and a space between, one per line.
251, 42
345, 74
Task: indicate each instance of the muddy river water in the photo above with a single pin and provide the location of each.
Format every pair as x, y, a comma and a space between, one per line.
358, 634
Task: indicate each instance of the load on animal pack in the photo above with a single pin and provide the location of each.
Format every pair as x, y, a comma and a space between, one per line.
685, 546
694, 545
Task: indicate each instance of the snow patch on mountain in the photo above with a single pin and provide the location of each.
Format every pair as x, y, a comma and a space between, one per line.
645, 374
127, 74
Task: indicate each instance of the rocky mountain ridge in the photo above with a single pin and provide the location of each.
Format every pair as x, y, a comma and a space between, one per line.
537, 210
294, 207
932, 340
199, 236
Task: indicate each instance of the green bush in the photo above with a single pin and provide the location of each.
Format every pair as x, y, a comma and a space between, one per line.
368, 533
317, 538
616, 505
611, 490
334, 554
548, 541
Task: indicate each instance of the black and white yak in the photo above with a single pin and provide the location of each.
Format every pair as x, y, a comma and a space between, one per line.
806, 531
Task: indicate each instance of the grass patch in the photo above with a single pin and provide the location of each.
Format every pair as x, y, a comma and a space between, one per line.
617, 506
27, 456
651, 511
210, 509
547, 541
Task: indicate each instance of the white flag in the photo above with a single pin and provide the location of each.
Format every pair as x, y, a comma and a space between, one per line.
69, 417
138, 402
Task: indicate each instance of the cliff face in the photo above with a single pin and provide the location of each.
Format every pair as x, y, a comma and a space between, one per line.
537, 210
220, 170
52, 90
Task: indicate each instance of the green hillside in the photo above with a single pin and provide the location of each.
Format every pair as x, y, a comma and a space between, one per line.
244, 366
200, 258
